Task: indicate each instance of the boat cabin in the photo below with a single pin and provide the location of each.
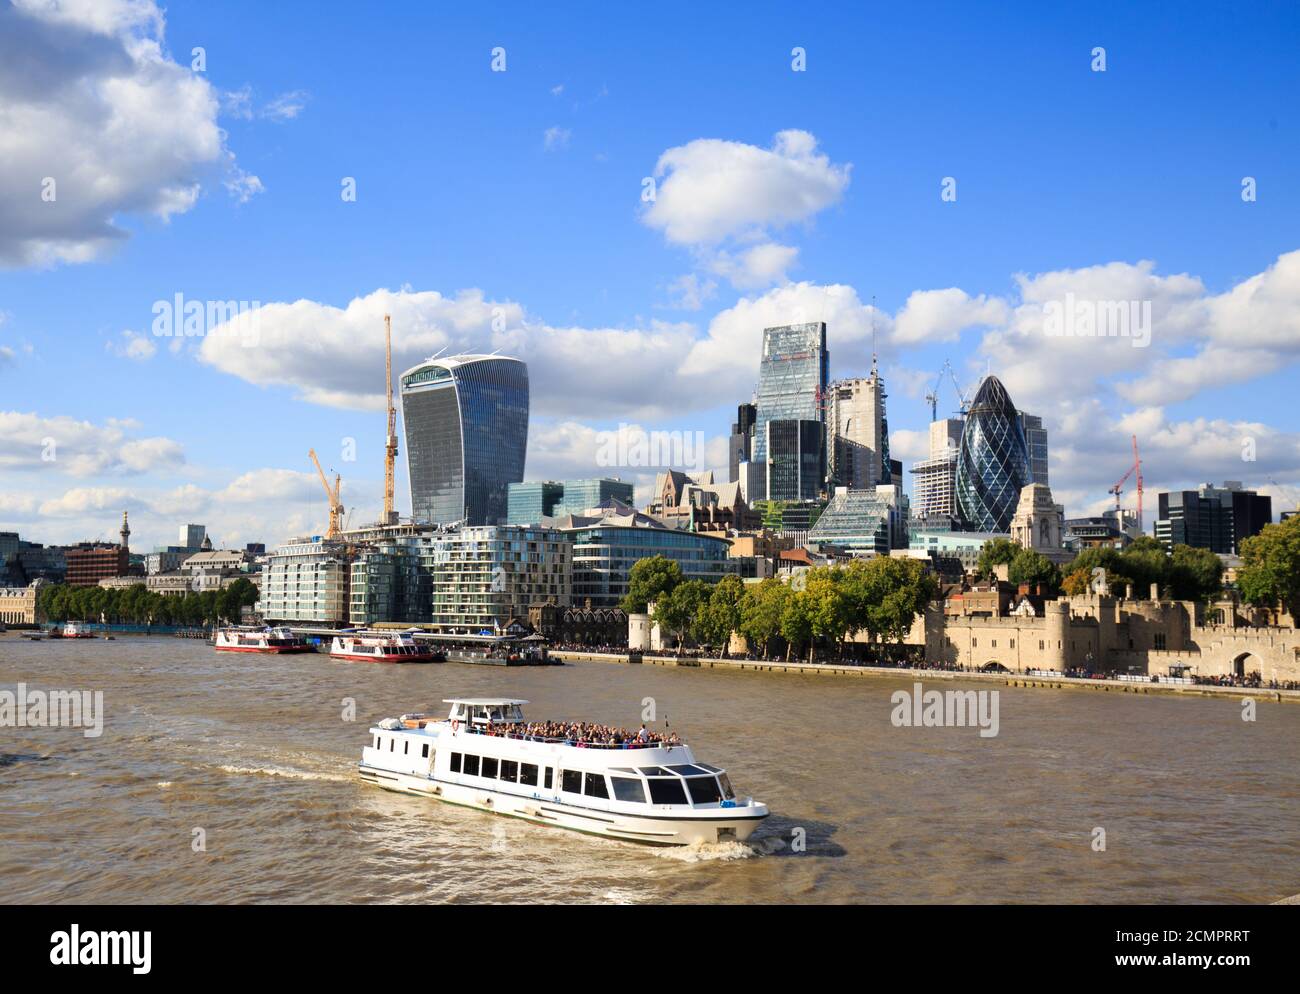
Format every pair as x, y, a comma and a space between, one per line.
486, 710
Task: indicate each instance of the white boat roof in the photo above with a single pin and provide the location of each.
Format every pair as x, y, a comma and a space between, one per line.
482, 700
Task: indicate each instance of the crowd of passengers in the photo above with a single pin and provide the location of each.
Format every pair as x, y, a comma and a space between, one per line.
583, 733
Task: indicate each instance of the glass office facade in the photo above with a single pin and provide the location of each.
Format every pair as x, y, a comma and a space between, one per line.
794, 459
582, 495
792, 378
527, 503
1036, 442
466, 422
604, 554
993, 461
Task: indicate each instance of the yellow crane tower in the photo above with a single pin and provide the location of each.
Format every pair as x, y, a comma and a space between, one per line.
335, 528
390, 446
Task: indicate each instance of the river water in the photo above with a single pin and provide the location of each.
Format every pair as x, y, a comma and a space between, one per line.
1196, 804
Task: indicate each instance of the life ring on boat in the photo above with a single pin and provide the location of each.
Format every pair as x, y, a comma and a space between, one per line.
454, 724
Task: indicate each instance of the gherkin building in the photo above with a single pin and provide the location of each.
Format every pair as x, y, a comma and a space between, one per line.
993, 462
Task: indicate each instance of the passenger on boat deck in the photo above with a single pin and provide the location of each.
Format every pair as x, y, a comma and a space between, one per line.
582, 733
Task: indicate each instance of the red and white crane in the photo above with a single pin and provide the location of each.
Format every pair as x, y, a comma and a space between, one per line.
1118, 488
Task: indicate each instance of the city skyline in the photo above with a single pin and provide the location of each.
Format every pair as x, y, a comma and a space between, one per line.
630, 311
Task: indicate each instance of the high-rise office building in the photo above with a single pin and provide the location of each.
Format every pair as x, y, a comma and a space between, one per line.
993, 460
795, 448
466, 422
1214, 518
934, 488
192, 536
792, 379
530, 502
742, 439
1036, 443
857, 450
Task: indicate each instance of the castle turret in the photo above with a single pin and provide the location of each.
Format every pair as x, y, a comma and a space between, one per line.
1056, 633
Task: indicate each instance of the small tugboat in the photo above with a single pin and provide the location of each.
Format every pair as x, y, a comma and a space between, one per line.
640, 787
383, 647
73, 630
278, 641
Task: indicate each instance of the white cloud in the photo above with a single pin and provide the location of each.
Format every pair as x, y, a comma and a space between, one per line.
556, 138
710, 189
132, 345
941, 315
76, 448
286, 106
97, 123
757, 267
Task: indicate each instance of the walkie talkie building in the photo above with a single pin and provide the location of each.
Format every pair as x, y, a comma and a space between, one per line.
466, 423
993, 461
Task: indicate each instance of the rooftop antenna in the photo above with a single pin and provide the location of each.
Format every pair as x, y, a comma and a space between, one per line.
873, 333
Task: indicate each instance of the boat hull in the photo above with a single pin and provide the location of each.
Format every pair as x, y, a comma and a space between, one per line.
646, 830
274, 650
382, 657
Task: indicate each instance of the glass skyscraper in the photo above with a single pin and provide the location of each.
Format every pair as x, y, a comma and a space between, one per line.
993, 461
792, 378
794, 459
466, 421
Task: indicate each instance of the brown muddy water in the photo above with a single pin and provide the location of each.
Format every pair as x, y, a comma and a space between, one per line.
1197, 805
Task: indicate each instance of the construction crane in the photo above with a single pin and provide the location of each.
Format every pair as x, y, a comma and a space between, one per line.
335, 528
932, 398
390, 445
1118, 488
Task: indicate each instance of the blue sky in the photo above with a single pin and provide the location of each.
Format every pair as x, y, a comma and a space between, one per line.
1067, 177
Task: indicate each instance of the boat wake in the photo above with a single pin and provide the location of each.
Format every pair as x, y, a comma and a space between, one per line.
710, 852
286, 772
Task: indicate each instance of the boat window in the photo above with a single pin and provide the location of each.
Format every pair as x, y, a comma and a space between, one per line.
571, 780
596, 785
547, 782
425, 754
667, 790
653, 771
471, 765
455, 762
528, 774
686, 770
509, 770
622, 769
704, 790
376, 741
489, 769
406, 747
628, 789
708, 766
727, 792
392, 745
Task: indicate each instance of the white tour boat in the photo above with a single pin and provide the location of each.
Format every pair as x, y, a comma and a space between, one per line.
383, 647
484, 755
74, 630
270, 640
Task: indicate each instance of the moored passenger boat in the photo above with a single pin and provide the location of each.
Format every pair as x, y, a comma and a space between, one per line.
603, 782
75, 630
269, 640
383, 647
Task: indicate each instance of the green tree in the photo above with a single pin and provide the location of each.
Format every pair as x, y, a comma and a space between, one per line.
796, 621
1270, 566
996, 552
1029, 566
679, 611
828, 607
721, 615
649, 580
1194, 574
760, 612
